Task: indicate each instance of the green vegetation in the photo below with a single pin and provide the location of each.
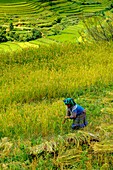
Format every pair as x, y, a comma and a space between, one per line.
61, 61
46, 17
33, 84
12, 1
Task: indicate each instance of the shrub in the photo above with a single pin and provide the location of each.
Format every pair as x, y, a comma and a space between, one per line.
10, 36
57, 29
3, 34
11, 26
58, 20
99, 29
36, 34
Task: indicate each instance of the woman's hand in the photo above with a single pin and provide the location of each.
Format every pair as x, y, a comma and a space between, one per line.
67, 117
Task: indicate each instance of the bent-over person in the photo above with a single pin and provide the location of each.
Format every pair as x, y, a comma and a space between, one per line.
75, 112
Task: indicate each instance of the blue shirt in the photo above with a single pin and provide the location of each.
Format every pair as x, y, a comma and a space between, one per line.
77, 109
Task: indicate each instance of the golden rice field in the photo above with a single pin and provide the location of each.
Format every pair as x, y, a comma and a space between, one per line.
33, 84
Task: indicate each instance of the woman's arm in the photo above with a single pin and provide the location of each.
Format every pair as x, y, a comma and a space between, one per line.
73, 115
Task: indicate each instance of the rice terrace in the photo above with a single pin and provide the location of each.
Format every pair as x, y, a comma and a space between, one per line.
51, 50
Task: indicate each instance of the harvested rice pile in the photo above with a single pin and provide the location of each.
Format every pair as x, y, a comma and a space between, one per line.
76, 147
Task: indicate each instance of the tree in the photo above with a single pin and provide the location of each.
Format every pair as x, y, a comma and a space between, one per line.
11, 26
3, 34
36, 34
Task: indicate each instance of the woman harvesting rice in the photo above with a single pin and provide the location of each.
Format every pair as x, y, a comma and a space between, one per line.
75, 112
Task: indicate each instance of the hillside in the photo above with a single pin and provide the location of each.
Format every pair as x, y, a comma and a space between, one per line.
34, 83
36, 76
57, 21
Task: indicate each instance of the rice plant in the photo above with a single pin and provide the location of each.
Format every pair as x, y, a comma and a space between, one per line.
34, 83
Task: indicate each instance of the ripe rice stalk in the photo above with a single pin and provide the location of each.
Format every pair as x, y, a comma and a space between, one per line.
69, 157
64, 142
79, 138
109, 110
103, 159
5, 147
108, 128
44, 147
103, 147
105, 128
105, 166
13, 165
107, 100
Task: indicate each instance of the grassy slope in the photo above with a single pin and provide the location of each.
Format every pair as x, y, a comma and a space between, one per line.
35, 82
33, 85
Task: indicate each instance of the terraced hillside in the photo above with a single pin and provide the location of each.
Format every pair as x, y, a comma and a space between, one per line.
57, 21
27, 15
